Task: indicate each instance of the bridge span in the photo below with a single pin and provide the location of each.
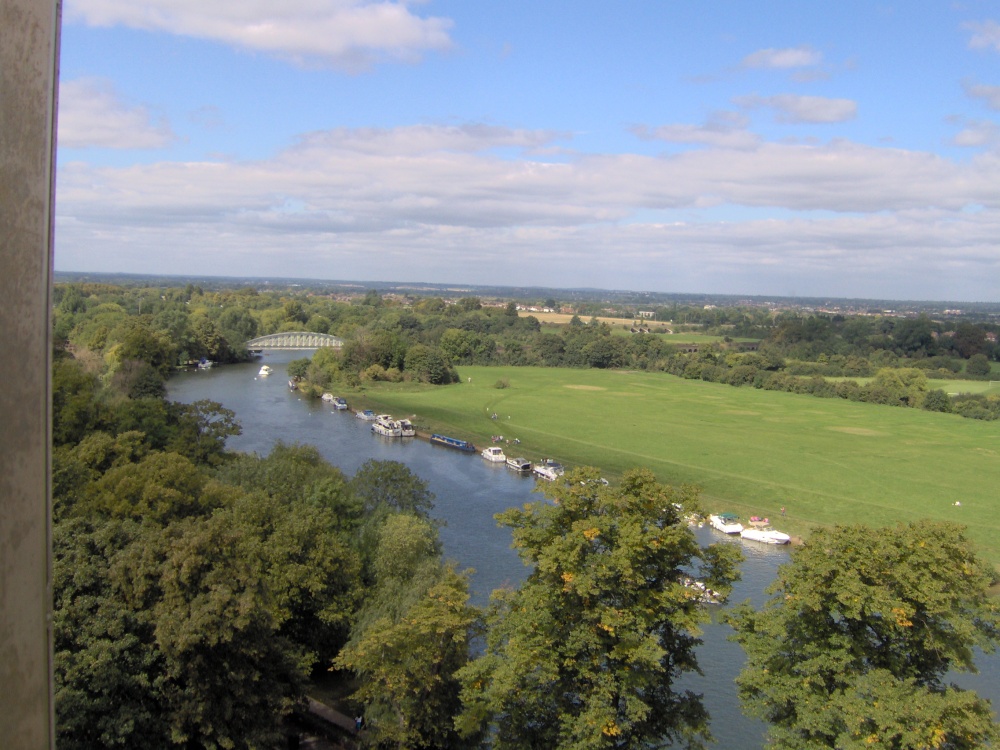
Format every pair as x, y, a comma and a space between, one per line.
295, 340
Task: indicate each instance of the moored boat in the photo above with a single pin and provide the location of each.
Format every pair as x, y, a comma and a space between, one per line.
406, 428
368, 415
387, 426
339, 403
519, 464
327, 397
548, 469
727, 523
494, 454
765, 534
450, 442
701, 592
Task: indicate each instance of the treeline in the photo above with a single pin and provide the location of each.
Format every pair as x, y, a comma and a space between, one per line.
138, 334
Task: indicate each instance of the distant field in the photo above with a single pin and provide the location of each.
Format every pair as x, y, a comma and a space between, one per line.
964, 386
616, 324
827, 461
948, 386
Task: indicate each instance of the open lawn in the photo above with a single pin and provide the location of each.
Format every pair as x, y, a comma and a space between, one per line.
965, 386
826, 461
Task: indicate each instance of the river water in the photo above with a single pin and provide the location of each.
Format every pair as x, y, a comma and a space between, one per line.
468, 492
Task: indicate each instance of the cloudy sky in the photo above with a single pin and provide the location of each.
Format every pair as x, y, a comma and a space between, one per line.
847, 149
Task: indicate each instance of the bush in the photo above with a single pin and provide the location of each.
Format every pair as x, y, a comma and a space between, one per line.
502, 383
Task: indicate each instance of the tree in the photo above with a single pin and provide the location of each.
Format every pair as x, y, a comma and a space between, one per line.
978, 366
862, 627
411, 637
587, 653
391, 485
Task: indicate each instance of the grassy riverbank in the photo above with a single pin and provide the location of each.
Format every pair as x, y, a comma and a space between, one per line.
825, 460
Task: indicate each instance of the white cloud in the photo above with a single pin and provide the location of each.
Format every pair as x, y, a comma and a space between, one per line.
417, 139
437, 203
790, 57
984, 34
804, 109
724, 130
989, 94
91, 114
978, 133
346, 33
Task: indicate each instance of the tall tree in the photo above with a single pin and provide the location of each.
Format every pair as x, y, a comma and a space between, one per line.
587, 653
411, 637
854, 645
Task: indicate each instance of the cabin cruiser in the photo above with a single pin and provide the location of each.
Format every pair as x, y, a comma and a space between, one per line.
519, 464
494, 454
265, 370
367, 415
387, 426
765, 534
406, 428
548, 469
727, 523
339, 403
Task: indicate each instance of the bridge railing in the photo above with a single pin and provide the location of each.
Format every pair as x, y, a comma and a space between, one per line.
295, 340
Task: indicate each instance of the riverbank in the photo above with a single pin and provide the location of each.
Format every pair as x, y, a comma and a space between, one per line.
827, 461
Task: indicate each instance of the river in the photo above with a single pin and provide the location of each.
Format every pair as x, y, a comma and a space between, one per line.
468, 492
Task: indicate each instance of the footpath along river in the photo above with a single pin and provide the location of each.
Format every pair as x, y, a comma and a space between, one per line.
468, 492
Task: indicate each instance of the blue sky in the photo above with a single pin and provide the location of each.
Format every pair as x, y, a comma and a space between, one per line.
846, 149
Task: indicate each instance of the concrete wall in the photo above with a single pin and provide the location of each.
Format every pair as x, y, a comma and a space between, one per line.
28, 64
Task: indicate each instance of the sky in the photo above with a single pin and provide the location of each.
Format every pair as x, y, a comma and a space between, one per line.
847, 149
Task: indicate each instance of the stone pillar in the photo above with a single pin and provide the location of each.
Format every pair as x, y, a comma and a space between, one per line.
29, 48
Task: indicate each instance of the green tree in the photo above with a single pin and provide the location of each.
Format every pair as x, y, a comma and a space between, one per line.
853, 647
411, 637
978, 365
587, 653
391, 485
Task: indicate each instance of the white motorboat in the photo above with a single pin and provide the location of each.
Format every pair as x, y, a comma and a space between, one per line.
519, 464
367, 415
765, 534
548, 469
265, 370
340, 403
701, 592
387, 426
327, 397
494, 454
406, 428
727, 523
206, 364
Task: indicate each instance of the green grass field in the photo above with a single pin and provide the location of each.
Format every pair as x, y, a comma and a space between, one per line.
826, 461
965, 386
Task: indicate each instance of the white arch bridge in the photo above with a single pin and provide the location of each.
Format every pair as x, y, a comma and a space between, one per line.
294, 340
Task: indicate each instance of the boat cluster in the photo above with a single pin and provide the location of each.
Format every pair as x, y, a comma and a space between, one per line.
758, 529
385, 425
544, 469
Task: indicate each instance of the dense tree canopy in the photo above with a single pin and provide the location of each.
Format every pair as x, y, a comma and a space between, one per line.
855, 644
587, 653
